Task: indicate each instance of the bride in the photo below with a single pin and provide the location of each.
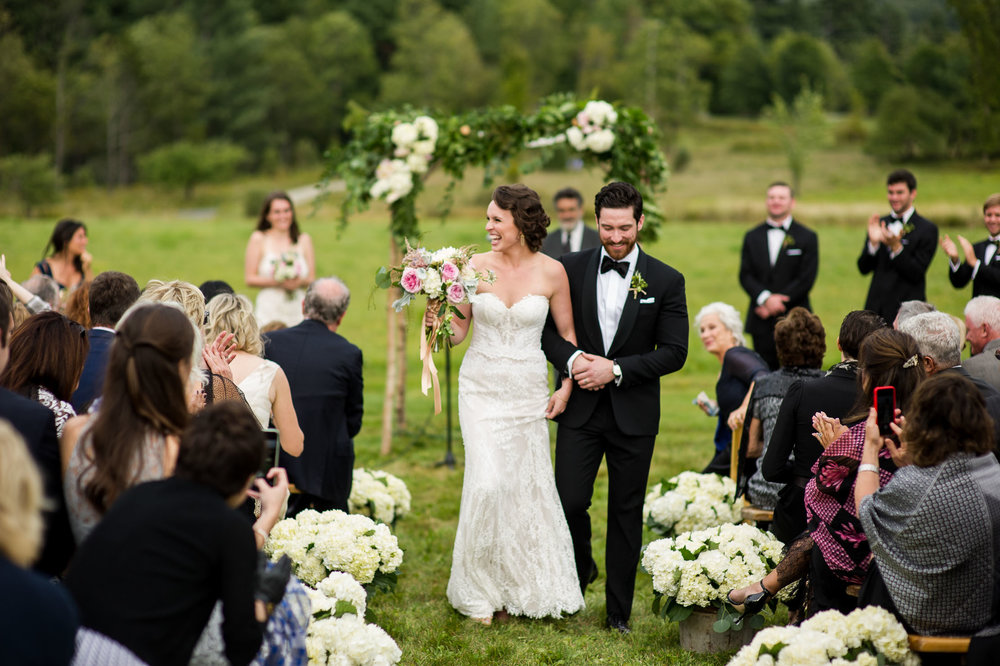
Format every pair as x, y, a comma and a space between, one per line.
513, 553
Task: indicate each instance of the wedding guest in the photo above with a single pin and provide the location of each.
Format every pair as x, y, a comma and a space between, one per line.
77, 305
909, 309
573, 235
69, 263
46, 358
934, 529
38, 620
721, 331
46, 289
793, 449
982, 323
279, 259
25, 296
980, 263
800, 342
212, 288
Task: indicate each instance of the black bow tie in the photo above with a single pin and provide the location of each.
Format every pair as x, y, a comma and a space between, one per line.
607, 264
775, 227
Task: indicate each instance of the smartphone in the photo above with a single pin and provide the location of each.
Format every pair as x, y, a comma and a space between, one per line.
885, 408
272, 449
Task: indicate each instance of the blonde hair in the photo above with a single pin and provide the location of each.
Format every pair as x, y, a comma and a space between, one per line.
184, 294
234, 313
21, 525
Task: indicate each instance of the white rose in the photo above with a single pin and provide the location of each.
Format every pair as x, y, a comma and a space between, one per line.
576, 138
417, 163
404, 134
427, 127
600, 141
424, 147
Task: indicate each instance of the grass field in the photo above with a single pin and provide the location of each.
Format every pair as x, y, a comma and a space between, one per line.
709, 207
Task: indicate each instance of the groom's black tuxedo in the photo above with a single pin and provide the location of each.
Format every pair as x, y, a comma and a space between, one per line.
987, 280
619, 422
903, 277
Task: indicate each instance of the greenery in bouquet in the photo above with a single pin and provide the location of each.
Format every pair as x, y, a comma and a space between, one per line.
697, 570
321, 543
868, 636
288, 266
379, 495
691, 501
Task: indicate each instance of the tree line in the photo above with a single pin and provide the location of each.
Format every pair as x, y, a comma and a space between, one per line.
114, 91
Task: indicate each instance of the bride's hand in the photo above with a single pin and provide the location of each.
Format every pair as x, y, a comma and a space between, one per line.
558, 400
431, 313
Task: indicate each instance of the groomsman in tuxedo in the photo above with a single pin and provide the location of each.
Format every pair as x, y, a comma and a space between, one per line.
777, 269
573, 234
631, 323
898, 250
982, 261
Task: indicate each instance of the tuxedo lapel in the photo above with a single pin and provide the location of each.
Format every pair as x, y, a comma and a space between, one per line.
629, 311
590, 323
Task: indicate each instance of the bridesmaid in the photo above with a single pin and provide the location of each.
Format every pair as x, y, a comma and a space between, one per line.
69, 263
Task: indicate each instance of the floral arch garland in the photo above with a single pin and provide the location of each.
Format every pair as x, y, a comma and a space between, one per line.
391, 153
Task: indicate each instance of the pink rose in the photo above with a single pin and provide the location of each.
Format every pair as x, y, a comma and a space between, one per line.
410, 281
456, 292
449, 272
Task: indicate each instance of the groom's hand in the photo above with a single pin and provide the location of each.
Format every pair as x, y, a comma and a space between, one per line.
592, 372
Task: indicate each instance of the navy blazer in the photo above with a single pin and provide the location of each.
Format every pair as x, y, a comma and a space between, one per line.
94, 369
903, 278
987, 280
651, 341
793, 274
324, 373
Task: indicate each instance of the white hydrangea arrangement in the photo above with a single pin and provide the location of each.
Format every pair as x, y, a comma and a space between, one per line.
691, 501
414, 145
348, 641
379, 495
593, 127
697, 569
867, 636
320, 543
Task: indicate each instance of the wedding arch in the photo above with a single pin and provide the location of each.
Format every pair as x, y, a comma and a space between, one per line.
391, 153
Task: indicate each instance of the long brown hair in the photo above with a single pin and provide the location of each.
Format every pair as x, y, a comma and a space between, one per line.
144, 393
887, 358
47, 350
263, 224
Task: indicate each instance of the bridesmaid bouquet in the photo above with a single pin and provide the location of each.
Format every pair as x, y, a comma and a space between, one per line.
445, 277
287, 266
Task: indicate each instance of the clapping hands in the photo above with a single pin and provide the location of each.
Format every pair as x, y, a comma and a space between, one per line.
828, 430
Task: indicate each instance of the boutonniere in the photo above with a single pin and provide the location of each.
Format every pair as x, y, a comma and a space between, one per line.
907, 228
638, 285
788, 242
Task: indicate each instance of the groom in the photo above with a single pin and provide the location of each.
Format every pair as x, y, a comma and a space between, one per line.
632, 328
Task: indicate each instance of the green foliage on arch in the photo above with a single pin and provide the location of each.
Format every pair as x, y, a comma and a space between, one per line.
391, 152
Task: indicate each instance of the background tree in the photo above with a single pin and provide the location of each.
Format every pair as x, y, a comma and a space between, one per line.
185, 164
31, 179
979, 21
802, 127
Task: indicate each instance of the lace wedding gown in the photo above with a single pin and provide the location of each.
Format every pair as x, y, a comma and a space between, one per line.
513, 549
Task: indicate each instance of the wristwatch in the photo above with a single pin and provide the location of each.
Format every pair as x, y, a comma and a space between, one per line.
616, 370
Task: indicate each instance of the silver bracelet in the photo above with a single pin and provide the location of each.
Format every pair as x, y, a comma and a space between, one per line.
868, 467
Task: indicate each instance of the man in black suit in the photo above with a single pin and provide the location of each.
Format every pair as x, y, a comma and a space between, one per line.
573, 234
982, 261
631, 325
111, 294
777, 269
324, 374
898, 249
37, 425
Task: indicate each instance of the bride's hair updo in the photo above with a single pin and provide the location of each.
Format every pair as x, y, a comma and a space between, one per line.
529, 215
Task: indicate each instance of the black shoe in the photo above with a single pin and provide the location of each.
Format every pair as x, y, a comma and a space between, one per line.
615, 623
753, 604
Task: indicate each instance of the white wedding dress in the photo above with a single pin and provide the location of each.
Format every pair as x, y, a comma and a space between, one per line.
513, 550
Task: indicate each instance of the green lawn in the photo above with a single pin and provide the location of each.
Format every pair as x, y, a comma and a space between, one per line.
709, 207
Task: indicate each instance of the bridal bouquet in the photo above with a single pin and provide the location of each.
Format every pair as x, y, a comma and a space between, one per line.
870, 636
444, 276
414, 144
697, 569
379, 495
288, 265
592, 127
320, 543
691, 501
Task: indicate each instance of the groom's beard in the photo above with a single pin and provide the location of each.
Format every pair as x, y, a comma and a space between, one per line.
621, 251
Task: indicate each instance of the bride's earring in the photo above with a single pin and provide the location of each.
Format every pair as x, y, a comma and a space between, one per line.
521, 236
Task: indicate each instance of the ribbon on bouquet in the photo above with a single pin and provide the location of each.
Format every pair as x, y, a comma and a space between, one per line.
429, 375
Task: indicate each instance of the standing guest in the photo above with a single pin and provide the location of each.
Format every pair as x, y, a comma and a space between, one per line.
934, 529
982, 326
37, 426
778, 268
69, 263
46, 358
631, 324
111, 294
898, 250
721, 332
38, 620
573, 234
981, 262
78, 305
793, 449
279, 259
324, 374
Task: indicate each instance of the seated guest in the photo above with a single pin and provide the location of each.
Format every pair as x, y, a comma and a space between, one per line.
935, 527
26, 299
38, 619
911, 309
980, 262
212, 288
982, 323
835, 553
77, 305
46, 289
111, 294
46, 358
793, 449
721, 330
151, 572
800, 341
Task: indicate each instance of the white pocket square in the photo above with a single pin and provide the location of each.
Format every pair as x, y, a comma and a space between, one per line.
643, 301
794, 251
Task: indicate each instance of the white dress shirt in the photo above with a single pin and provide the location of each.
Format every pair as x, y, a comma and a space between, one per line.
612, 289
775, 239
575, 237
895, 227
